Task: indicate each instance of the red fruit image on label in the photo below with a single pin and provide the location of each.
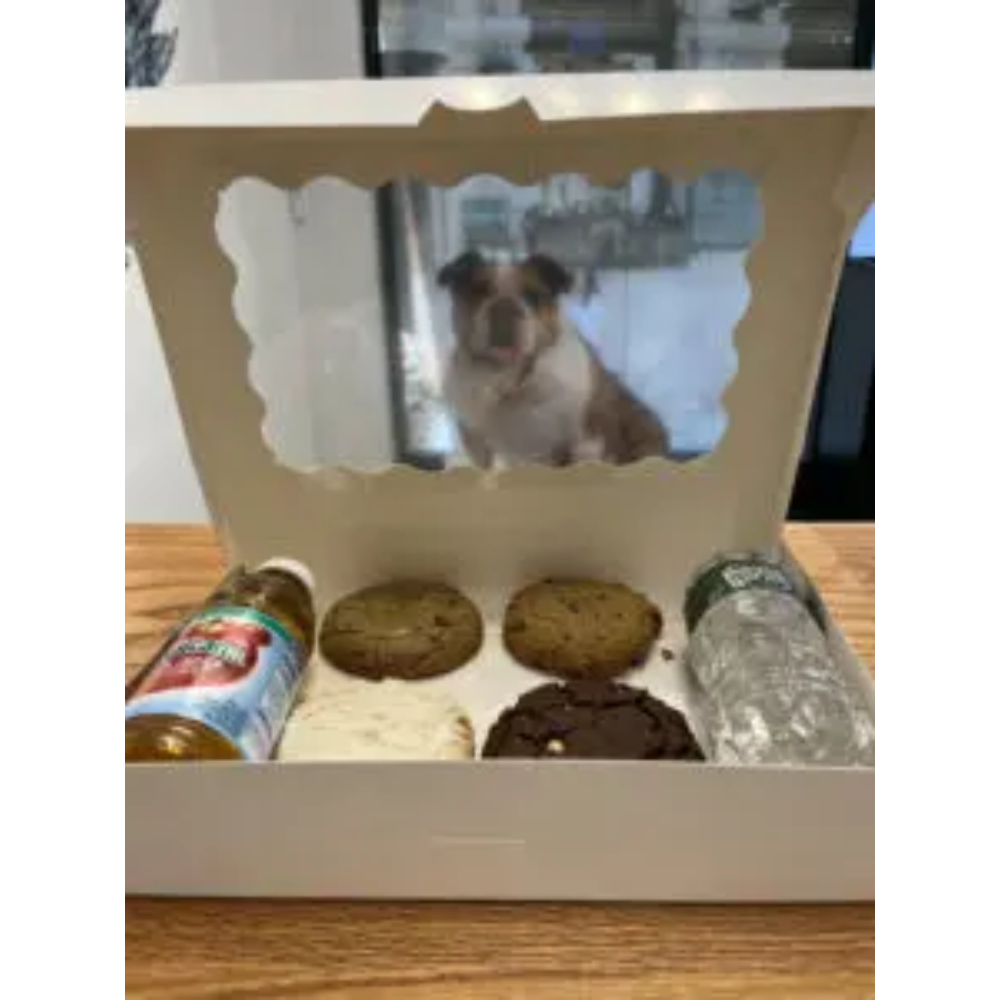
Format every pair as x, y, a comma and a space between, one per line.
233, 669
209, 653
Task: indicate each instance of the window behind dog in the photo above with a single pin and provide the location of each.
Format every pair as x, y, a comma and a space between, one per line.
550, 324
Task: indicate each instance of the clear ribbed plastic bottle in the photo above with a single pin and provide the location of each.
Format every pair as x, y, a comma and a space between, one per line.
771, 689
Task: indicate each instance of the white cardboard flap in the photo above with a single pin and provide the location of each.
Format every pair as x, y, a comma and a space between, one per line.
807, 139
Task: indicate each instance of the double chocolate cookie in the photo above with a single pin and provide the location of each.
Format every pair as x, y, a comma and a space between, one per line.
581, 629
595, 720
407, 630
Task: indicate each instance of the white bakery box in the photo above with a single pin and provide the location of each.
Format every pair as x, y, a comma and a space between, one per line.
563, 830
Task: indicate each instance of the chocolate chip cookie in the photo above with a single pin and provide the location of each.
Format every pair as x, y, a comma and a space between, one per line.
592, 720
581, 629
408, 630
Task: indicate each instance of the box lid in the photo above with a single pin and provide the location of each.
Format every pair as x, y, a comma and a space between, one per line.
806, 138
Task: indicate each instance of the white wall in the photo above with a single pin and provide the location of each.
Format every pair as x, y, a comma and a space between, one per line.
237, 40
160, 481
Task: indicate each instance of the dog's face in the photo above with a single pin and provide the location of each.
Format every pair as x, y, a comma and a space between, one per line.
505, 314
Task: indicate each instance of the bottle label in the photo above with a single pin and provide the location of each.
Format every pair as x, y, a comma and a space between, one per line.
737, 574
232, 669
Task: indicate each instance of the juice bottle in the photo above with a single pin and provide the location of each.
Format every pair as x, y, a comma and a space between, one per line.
222, 686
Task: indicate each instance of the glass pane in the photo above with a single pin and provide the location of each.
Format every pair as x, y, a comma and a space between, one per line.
655, 306
655, 298
864, 242
550, 323
428, 37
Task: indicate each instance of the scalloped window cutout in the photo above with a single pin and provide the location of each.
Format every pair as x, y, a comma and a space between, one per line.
491, 324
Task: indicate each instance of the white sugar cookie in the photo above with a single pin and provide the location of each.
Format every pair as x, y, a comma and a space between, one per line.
391, 720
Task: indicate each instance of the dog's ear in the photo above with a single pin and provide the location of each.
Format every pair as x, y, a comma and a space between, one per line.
554, 276
460, 272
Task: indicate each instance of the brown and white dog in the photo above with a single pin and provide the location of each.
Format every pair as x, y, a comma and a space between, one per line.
524, 385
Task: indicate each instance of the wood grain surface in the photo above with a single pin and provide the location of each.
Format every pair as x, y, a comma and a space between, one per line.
196, 949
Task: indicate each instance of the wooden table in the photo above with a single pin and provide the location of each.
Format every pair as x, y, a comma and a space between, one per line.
264, 950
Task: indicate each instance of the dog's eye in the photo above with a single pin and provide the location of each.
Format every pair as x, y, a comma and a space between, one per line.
534, 298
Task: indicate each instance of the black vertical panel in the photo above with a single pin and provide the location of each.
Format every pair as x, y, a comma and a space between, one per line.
388, 241
837, 476
837, 482
866, 467
864, 39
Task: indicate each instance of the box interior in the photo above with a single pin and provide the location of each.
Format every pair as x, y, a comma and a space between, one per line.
805, 140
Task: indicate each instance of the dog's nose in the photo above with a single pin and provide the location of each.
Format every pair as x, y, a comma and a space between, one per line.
504, 318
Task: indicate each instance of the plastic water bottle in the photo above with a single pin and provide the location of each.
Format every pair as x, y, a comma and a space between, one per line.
771, 689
